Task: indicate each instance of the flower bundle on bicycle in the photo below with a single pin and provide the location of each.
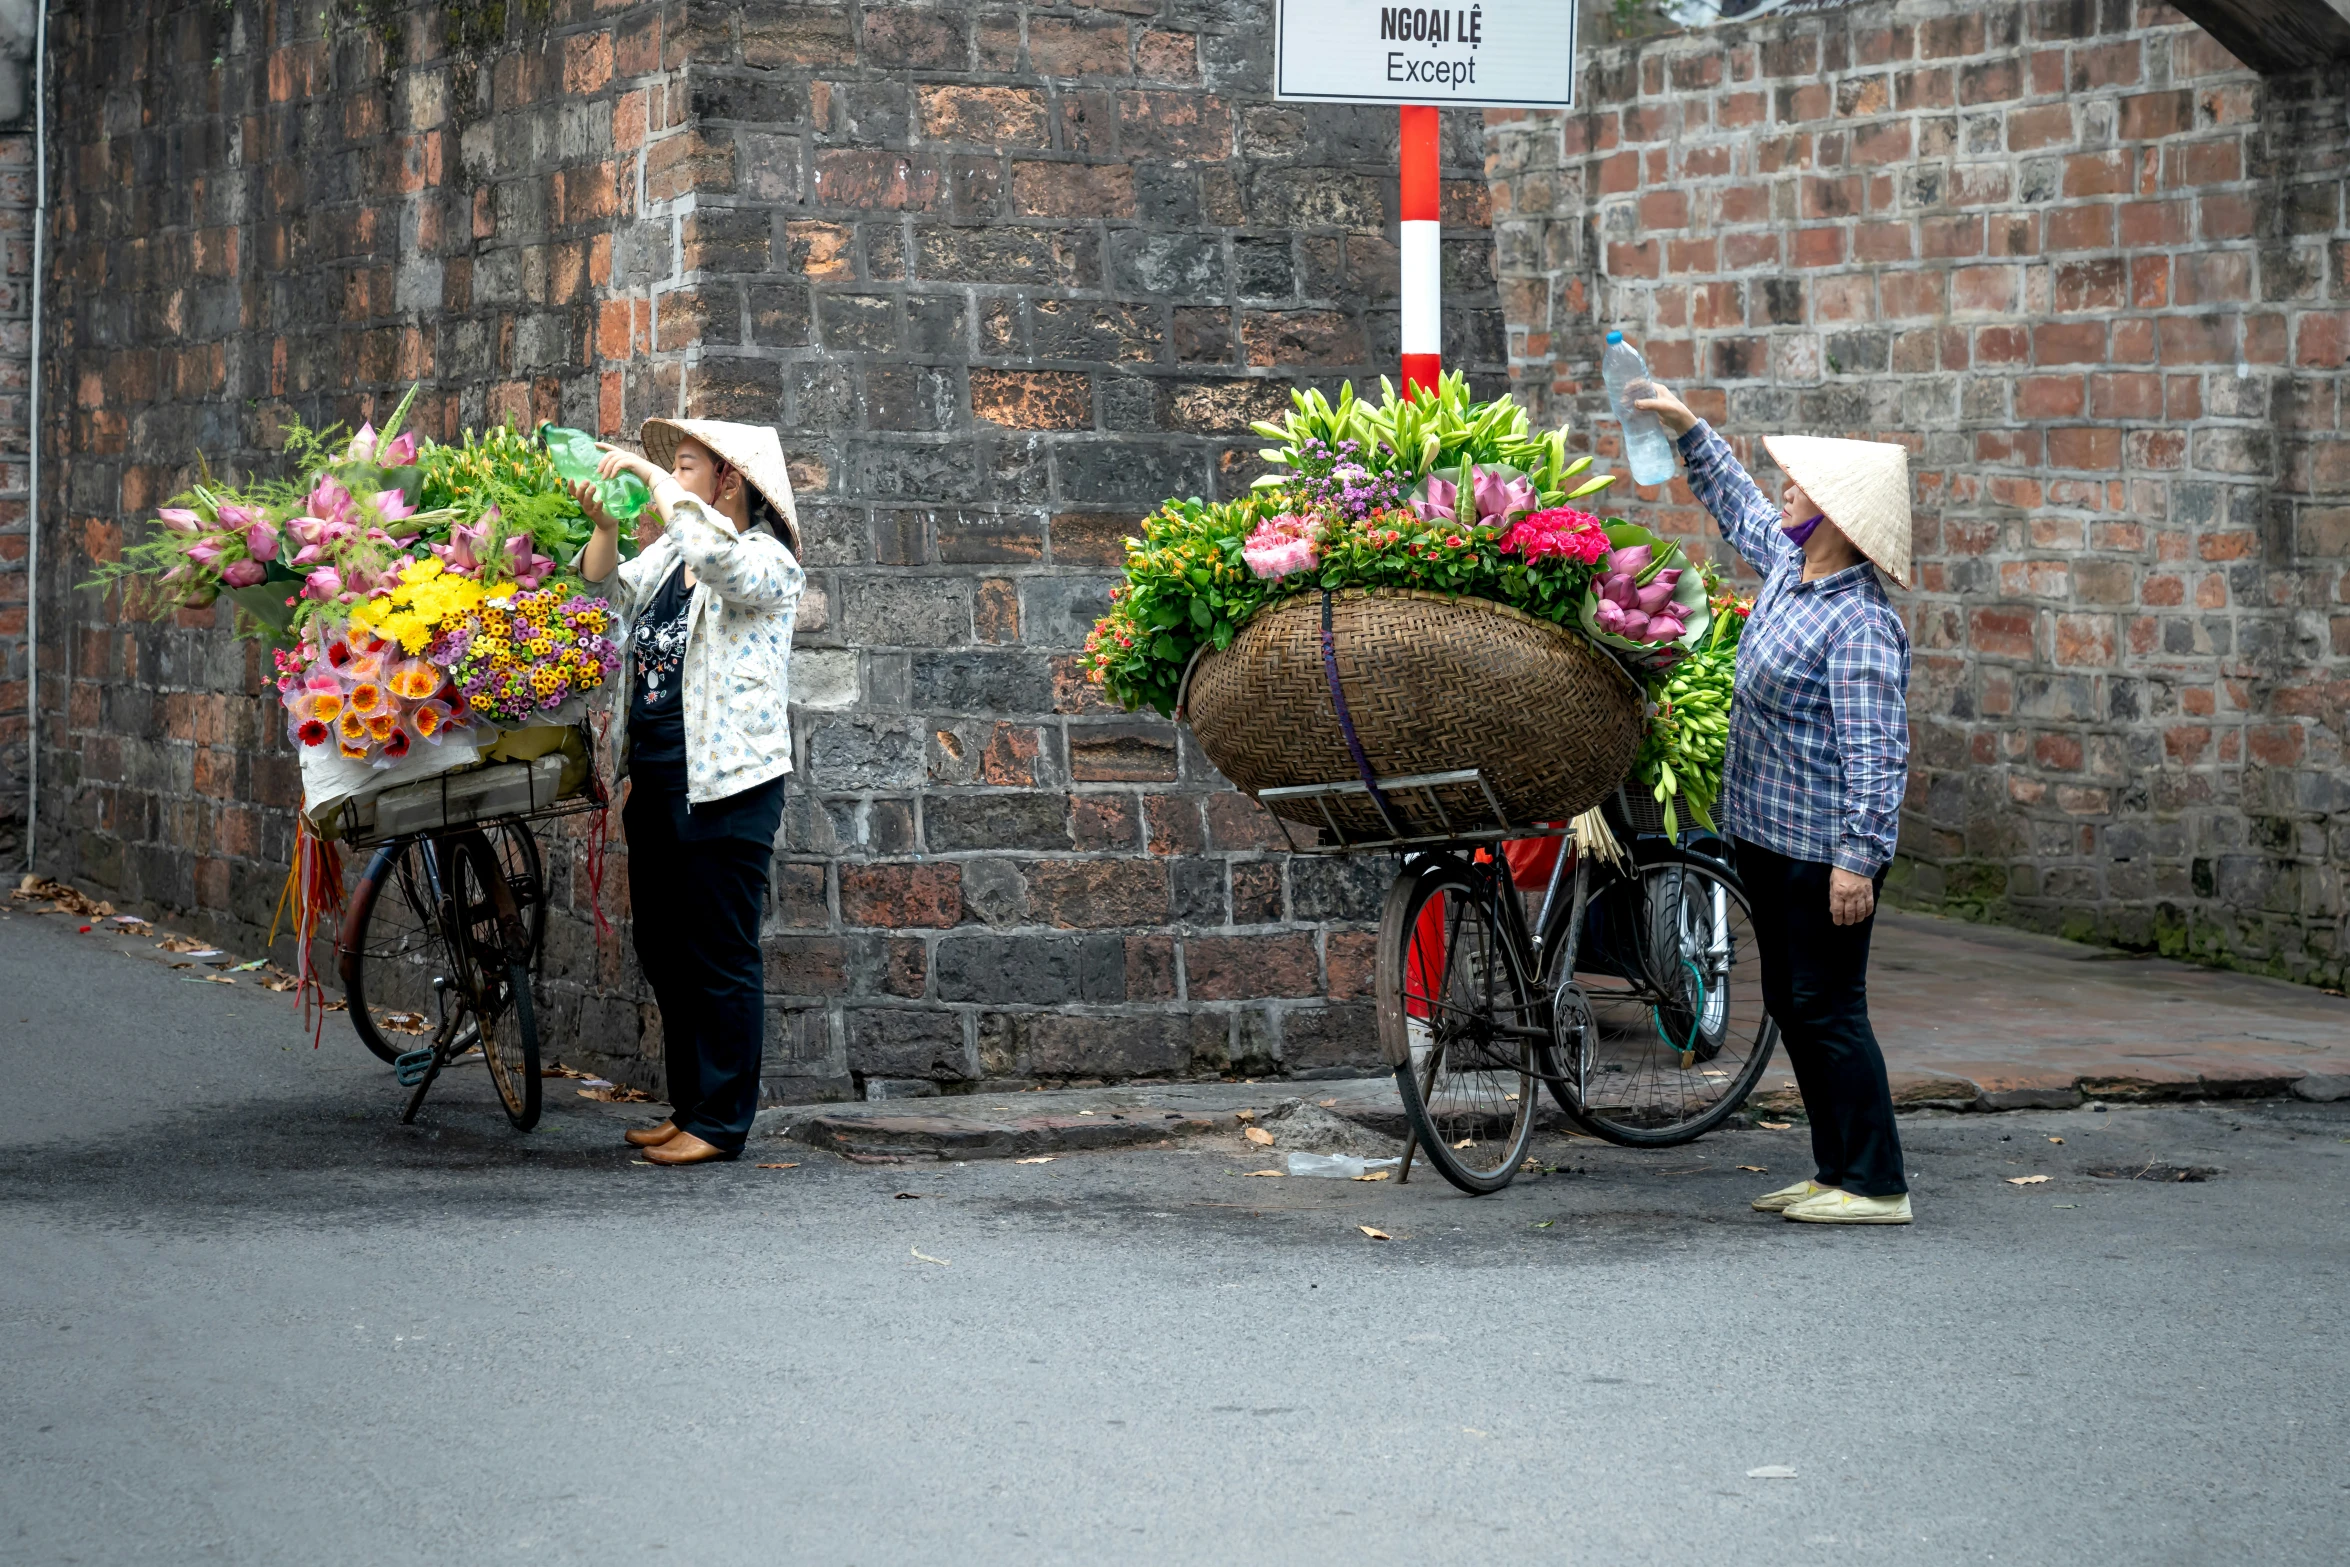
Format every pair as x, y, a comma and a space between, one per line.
409, 592
1432, 494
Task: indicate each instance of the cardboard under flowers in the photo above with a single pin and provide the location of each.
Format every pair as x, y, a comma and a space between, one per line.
1689, 592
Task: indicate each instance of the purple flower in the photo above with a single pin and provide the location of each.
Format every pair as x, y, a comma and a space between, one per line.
323, 584
244, 573
261, 539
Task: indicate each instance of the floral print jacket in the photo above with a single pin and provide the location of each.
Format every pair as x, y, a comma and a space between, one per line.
738, 643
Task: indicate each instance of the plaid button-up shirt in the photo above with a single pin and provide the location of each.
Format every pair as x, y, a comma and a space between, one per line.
1819, 730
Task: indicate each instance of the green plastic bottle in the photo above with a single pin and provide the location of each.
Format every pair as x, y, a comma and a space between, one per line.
575, 456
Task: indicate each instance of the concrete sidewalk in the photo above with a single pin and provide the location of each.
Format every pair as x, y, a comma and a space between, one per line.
1984, 1018
1972, 1017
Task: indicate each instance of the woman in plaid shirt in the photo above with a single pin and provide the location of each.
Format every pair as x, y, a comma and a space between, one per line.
1812, 785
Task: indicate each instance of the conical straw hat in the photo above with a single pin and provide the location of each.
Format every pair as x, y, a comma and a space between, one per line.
1863, 486
753, 450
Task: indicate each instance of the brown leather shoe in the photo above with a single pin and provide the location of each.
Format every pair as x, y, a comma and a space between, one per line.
650, 1136
685, 1148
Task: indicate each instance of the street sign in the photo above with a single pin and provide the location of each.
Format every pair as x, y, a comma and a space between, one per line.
1499, 54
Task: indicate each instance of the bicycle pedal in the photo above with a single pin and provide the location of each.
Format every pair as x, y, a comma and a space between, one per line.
412, 1067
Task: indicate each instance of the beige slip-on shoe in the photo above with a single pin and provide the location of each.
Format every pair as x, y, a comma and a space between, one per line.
1787, 1197
1834, 1207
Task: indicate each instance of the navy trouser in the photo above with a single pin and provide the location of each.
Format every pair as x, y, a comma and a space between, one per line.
696, 899
1815, 983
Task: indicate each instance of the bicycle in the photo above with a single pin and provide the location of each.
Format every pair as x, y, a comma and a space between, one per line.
454, 920
1633, 994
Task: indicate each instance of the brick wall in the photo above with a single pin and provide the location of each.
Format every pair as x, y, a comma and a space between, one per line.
1004, 277
16, 312
260, 215
2097, 276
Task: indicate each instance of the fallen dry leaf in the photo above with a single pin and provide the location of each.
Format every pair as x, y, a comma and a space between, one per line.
2025, 1180
1756, 1169
1244, 1115
925, 1256
2057, 1140
1375, 1175
62, 898
1042, 1158
334, 1006
558, 1069
614, 1095
1546, 1224
1268, 1172
778, 1166
405, 1023
909, 1196
1776, 1126
1258, 1135
1325, 1103
1377, 1235
183, 944
1466, 1142
218, 979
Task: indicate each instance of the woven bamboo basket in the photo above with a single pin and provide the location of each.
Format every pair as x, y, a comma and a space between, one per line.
1434, 685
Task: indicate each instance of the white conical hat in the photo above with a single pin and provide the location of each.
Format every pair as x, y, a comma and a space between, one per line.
1863, 486
753, 450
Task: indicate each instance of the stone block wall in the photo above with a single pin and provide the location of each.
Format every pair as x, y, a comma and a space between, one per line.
1006, 276
2096, 275
1003, 275
259, 213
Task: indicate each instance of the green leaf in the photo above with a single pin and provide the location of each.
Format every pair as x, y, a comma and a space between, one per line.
1200, 615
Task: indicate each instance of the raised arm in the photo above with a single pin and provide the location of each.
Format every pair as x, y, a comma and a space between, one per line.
1721, 483
747, 569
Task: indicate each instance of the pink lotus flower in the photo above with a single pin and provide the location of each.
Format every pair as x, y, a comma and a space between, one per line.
1498, 500
530, 567
244, 573
1281, 545
206, 553
179, 519
1633, 558
261, 540
400, 453
467, 542
330, 502
323, 584
1654, 597
231, 515
1438, 506
362, 447
391, 506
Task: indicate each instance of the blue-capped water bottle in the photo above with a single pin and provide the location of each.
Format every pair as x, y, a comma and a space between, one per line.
1646, 446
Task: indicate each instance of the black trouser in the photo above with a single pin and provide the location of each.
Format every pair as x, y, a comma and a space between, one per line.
1815, 983
696, 902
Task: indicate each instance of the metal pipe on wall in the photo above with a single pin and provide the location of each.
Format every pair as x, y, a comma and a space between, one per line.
32, 595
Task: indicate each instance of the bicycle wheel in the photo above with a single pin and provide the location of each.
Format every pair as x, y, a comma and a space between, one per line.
388, 944
388, 948
488, 938
1660, 1030
1459, 1020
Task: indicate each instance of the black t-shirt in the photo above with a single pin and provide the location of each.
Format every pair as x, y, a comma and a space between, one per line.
656, 713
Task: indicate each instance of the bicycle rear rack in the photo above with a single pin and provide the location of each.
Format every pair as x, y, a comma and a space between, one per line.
1432, 809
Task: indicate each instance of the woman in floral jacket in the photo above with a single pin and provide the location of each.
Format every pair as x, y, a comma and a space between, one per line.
709, 608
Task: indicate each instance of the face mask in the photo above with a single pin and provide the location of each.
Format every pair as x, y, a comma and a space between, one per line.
1804, 529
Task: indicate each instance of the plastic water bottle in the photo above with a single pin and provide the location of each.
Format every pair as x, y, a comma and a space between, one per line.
1646, 446
575, 456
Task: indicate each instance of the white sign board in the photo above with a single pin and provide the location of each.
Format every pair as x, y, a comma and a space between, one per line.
1500, 54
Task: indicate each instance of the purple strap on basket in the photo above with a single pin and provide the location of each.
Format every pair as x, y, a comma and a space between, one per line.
1346, 724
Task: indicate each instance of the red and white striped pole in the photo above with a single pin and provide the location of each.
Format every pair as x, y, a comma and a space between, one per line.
1423, 251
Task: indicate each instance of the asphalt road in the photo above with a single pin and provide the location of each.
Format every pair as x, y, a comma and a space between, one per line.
249, 1318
